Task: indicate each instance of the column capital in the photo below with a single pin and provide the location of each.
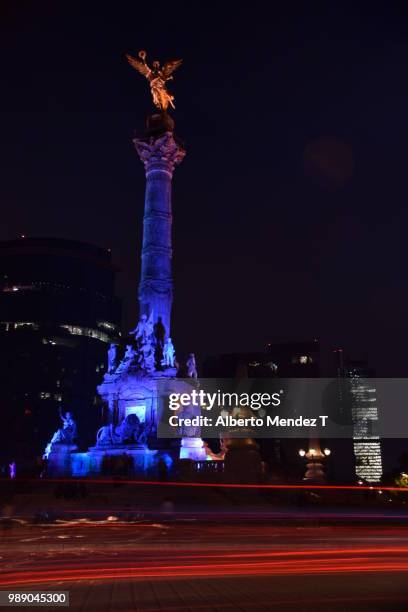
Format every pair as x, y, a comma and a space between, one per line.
159, 154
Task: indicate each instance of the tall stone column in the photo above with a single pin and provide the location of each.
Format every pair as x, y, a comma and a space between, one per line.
160, 153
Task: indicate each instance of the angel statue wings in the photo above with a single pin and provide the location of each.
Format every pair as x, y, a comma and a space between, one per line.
157, 77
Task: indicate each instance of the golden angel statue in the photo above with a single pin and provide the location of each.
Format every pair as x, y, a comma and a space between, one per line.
157, 77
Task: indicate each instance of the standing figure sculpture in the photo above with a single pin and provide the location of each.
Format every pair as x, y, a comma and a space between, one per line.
157, 77
169, 354
144, 329
112, 352
159, 337
159, 332
149, 329
145, 342
139, 331
191, 366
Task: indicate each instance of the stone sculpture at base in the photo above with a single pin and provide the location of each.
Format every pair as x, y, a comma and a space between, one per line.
191, 366
65, 434
169, 354
130, 430
62, 444
112, 353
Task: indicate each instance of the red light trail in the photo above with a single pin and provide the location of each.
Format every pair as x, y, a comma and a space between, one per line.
299, 567
218, 485
320, 561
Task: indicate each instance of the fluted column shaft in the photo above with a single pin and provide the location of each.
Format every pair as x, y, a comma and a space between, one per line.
160, 155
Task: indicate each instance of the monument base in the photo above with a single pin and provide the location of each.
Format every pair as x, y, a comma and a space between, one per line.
59, 459
193, 448
126, 461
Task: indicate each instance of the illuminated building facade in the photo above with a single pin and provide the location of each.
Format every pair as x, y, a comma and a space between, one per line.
358, 394
58, 314
364, 412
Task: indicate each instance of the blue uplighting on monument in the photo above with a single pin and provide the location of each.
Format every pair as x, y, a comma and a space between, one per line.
160, 156
128, 442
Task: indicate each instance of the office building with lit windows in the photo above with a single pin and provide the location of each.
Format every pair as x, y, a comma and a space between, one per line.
58, 315
364, 414
359, 396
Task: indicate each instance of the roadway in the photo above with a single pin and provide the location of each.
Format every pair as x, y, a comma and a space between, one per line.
109, 565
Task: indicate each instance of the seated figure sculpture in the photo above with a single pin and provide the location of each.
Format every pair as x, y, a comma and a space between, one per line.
65, 434
130, 430
68, 432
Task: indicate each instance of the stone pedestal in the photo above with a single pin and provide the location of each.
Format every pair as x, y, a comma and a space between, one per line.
125, 393
59, 459
315, 473
124, 461
193, 448
137, 392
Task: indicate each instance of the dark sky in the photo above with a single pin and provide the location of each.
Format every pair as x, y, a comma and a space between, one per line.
290, 208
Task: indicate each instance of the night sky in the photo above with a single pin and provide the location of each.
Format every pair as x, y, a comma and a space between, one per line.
290, 209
